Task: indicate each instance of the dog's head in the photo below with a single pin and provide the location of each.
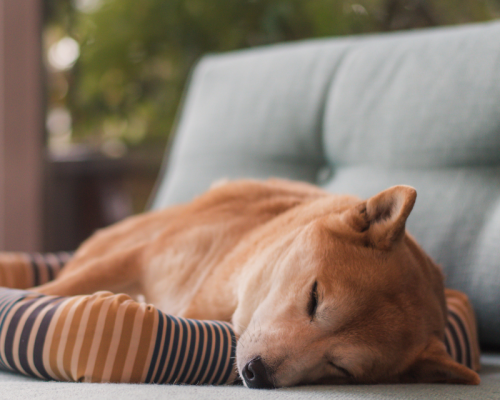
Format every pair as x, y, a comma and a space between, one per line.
347, 298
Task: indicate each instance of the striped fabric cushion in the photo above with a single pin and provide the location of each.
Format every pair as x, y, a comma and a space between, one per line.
23, 270
106, 337
461, 338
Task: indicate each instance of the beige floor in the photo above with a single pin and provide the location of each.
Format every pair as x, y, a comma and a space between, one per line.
15, 387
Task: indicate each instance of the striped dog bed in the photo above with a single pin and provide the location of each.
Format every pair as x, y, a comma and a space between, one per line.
106, 337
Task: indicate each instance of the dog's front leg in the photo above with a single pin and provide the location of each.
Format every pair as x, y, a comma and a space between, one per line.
114, 272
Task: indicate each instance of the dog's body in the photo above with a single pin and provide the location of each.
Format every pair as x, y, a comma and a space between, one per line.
320, 288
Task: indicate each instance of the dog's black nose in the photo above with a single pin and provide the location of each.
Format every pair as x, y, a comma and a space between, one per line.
256, 376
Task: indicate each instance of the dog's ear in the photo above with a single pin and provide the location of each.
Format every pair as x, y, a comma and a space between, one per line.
382, 218
435, 365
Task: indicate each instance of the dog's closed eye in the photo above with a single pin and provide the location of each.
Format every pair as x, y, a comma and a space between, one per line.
343, 370
313, 300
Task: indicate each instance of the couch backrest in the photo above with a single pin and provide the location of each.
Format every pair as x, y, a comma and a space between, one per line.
357, 115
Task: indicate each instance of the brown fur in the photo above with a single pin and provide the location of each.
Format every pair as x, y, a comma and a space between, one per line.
249, 252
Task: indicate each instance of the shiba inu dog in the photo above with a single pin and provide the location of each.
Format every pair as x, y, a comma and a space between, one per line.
320, 288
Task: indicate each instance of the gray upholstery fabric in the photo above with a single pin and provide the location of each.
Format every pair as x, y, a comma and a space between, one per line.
16, 387
357, 115
424, 99
253, 113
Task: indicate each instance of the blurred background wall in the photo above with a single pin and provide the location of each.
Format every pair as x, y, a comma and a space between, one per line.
112, 74
21, 125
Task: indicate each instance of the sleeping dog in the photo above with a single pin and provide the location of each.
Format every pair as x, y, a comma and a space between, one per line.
320, 288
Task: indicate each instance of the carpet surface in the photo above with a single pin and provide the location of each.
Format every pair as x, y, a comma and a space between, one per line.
17, 387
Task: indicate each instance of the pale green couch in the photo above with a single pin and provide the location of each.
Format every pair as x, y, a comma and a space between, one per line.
355, 115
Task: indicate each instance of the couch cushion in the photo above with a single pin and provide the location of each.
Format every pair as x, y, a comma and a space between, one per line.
425, 99
252, 113
484, 282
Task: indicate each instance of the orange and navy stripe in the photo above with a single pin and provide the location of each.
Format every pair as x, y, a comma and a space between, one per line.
461, 338
110, 338
23, 270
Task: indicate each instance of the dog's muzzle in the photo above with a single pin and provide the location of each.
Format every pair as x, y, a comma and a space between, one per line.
256, 376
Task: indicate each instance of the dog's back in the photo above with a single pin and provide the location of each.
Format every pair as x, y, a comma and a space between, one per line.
180, 246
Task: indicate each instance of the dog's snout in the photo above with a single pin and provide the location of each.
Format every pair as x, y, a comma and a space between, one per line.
256, 376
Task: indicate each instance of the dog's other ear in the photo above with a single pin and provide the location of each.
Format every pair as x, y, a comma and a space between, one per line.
435, 365
382, 218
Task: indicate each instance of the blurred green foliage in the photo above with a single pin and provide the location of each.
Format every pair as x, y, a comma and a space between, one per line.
136, 55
